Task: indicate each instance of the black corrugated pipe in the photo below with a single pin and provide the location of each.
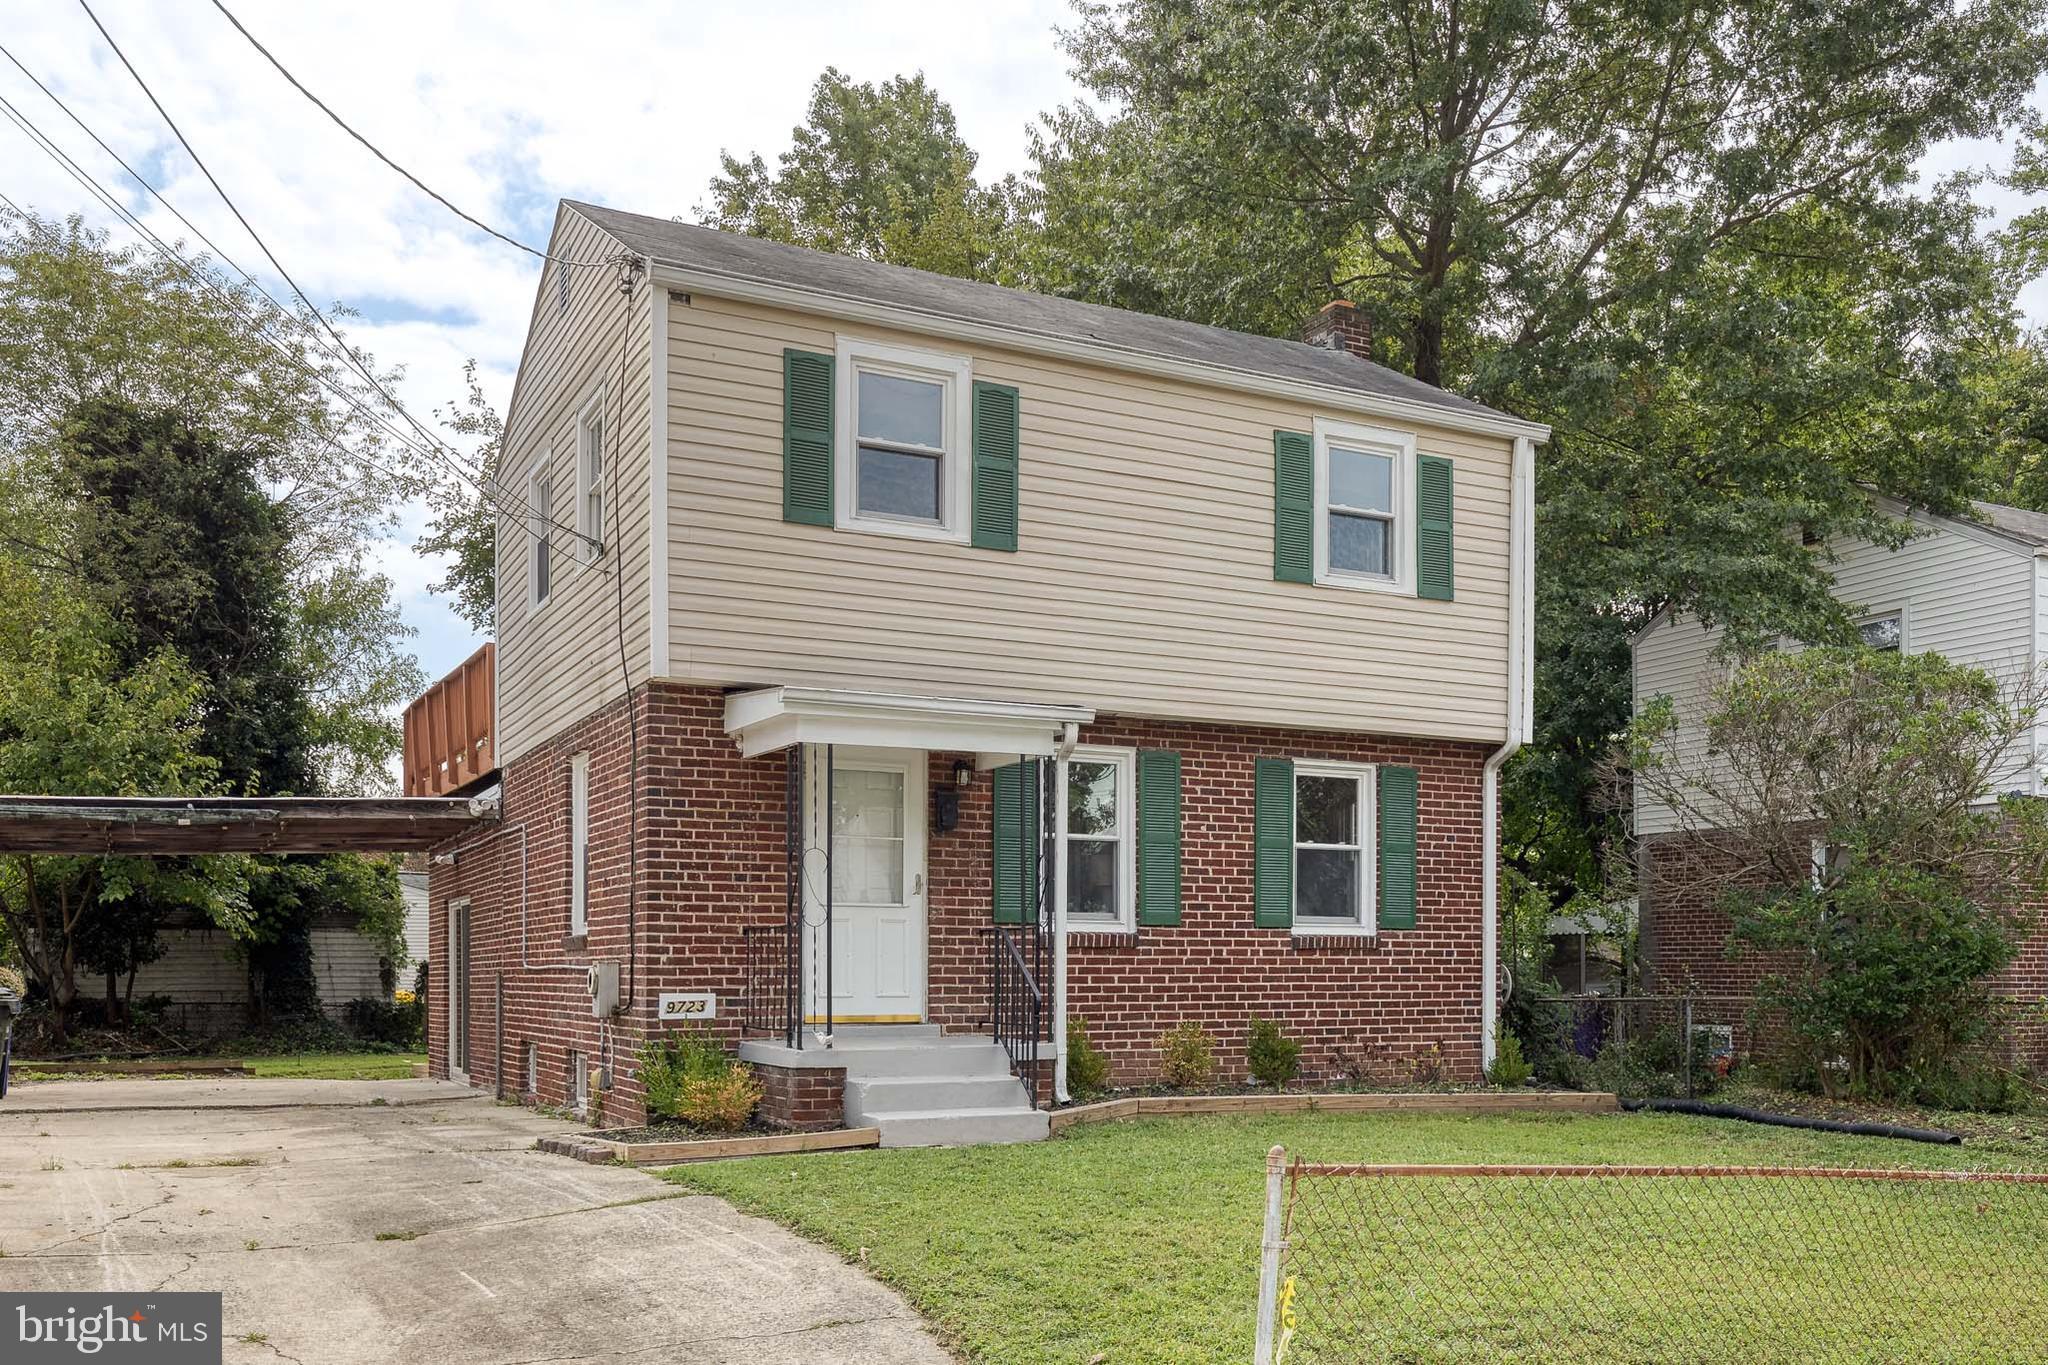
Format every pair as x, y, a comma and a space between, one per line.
1735, 1111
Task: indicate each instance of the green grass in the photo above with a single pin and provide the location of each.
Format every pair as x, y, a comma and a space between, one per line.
1138, 1241
338, 1066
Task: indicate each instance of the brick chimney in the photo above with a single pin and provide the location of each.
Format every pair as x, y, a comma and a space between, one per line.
1340, 327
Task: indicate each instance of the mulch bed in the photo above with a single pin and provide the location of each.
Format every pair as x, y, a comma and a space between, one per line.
672, 1131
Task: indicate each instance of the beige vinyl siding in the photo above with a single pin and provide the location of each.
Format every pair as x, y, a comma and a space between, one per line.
1966, 594
1143, 583
560, 662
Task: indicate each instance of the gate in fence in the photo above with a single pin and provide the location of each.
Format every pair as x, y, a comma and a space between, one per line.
1655, 1264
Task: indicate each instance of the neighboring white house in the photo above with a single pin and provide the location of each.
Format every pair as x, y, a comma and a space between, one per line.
1969, 590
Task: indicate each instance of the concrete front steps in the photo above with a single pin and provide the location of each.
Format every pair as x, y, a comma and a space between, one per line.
921, 1088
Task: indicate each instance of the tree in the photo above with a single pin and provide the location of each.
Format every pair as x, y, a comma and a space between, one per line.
1685, 234
1845, 800
72, 723
83, 325
464, 525
878, 172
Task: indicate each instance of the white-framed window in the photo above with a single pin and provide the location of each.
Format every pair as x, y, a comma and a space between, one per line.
1365, 507
540, 507
1101, 838
1885, 632
900, 463
579, 1084
590, 475
579, 845
1334, 876
533, 1068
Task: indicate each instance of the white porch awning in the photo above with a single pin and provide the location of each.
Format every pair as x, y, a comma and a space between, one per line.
772, 718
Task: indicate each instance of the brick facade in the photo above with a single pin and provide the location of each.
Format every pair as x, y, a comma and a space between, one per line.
712, 858
803, 1099
1684, 942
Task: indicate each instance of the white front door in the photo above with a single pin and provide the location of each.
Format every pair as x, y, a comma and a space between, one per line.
877, 922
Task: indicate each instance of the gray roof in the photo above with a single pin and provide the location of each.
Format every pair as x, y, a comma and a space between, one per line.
753, 258
2017, 522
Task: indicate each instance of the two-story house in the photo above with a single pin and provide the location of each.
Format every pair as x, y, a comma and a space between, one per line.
1973, 591
891, 667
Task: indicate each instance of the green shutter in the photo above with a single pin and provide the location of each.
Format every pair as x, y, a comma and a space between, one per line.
1015, 883
807, 438
1158, 836
1433, 577
1294, 507
995, 467
1397, 847
1273, 843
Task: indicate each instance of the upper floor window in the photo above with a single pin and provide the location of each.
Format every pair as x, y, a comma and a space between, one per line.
1333, 845
590, 479
1101, 839
540, 502
1886, 632
1364, 524
902, 452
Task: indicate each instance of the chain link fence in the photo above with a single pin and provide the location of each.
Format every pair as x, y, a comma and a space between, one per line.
1651, 1264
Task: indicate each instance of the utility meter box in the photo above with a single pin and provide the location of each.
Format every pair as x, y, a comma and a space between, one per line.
604, 989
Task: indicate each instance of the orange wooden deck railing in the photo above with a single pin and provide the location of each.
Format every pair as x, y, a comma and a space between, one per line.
448, 741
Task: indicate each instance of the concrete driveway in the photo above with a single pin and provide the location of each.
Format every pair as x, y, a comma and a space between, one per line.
278, 1192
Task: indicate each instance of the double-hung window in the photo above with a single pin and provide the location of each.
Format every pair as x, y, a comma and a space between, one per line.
902, 448
590, 480
1886, 633
1364, 518
1333, 847
1101, 840
540, 504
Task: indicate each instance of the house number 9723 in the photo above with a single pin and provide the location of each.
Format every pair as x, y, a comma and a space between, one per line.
681, 1009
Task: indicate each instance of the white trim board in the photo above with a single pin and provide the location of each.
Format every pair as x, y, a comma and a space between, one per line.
772, 718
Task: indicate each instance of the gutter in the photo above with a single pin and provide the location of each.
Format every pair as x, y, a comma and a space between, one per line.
1521, 673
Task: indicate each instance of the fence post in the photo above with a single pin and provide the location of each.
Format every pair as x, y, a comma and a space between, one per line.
1269, 1257
1687, 1012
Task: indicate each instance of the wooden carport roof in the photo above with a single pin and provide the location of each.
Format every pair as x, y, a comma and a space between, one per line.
170, 826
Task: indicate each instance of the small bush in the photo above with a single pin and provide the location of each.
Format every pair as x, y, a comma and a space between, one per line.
721, 1103
395, 1023
1509, 1067
668, 1064
1274, 1058
1087, 1068
1187, 1055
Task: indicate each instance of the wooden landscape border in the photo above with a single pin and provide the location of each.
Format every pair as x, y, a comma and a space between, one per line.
1474, 1102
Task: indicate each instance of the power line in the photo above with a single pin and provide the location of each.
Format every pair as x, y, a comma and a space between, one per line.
254, 236
433, 442
106, 197
375, 151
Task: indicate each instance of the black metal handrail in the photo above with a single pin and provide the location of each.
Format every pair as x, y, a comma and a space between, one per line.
768, 996
1017, 1013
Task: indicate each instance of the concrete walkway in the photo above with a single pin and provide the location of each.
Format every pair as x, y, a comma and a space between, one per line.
276, 1192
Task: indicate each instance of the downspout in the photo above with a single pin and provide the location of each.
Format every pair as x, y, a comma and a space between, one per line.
1069, 737
1521, 680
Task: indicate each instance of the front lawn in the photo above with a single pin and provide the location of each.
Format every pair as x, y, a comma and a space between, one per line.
1138, 1241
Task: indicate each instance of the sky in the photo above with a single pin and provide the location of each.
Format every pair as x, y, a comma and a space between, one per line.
504, 108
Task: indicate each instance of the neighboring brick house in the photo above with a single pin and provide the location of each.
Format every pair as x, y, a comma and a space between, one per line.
1005, 658
1973, 591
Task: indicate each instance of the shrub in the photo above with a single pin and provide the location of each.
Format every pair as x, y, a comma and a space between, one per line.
1087, 1068
1274, 1058
722, 1103
1509, 1067
394, 1023
668, 1064
1187, 1055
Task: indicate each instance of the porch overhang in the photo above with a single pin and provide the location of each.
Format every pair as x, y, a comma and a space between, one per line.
772, 718
176, 826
